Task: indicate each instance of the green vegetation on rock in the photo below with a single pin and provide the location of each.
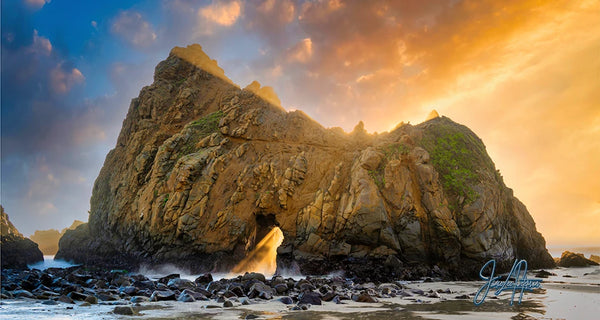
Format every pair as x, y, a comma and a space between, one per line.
457, 154
208, 124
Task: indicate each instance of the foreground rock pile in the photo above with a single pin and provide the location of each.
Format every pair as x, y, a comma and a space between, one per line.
83, 287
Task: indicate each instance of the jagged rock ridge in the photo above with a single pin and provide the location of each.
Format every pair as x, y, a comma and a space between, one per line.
202, 170
17, 251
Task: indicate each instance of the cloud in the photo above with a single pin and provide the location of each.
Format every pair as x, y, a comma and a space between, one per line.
62, 81
36, 4
222, 13
40, 44
132, 28
301, 52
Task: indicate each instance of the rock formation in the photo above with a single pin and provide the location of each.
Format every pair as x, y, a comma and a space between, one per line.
571, 259
47, 240
17, 251
202, 170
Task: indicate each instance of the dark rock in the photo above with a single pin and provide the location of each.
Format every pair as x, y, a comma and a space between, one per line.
570, 259
106, 297
65, 299
50, 302
462, 296
251, 316
544, 274
124, 310
162, 295
23, 294
236, 289
138, 299
204, 279
128, 290
260, 290
328, 296
164, 280
91, 299
286, 300
336, 300
214, 286
77, 296
227, 304
181, 284
595, 258
17, 251
364, 297
197, 295
309, 298
85, 304
417, 291
281, 288
185, 297
254, 276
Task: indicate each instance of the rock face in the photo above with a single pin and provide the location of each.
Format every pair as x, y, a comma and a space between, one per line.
202, 170
17, 251
47, 240
570, 259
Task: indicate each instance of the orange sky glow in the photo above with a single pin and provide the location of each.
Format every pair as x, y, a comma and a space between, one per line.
523, 75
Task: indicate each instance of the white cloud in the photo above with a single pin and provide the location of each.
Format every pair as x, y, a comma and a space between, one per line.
222, 13
36, 3
40, 44
131, 27
301, 52
62, 81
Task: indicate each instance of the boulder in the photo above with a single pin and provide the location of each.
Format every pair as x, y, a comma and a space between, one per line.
570, 259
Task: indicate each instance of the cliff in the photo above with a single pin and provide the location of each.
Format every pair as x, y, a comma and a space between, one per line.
203, 169
17, 251
47, 240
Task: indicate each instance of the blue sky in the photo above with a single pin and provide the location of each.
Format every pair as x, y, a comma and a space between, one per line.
517, 72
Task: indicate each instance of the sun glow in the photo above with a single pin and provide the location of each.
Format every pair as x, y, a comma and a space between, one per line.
263, 258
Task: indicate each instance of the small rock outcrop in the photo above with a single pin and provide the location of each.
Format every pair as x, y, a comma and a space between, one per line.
17, 251
202, 170
571, 259
47, 240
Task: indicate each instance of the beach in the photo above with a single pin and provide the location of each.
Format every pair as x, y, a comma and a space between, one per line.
571, 293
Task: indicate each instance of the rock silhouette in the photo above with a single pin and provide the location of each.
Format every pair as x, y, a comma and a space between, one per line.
17, 251
203, 170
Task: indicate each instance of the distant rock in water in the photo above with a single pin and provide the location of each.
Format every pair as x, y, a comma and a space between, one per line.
17, 251
203, 170
595, 258
47, 240
571, 259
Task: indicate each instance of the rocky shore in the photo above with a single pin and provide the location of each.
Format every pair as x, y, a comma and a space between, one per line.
84, 287
81, 290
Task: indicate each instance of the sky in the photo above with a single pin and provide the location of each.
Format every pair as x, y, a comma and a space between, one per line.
523, 75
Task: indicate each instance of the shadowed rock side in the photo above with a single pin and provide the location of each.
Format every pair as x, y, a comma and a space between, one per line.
17, 251
202, 170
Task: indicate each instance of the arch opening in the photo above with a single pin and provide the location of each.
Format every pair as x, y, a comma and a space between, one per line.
263, 258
